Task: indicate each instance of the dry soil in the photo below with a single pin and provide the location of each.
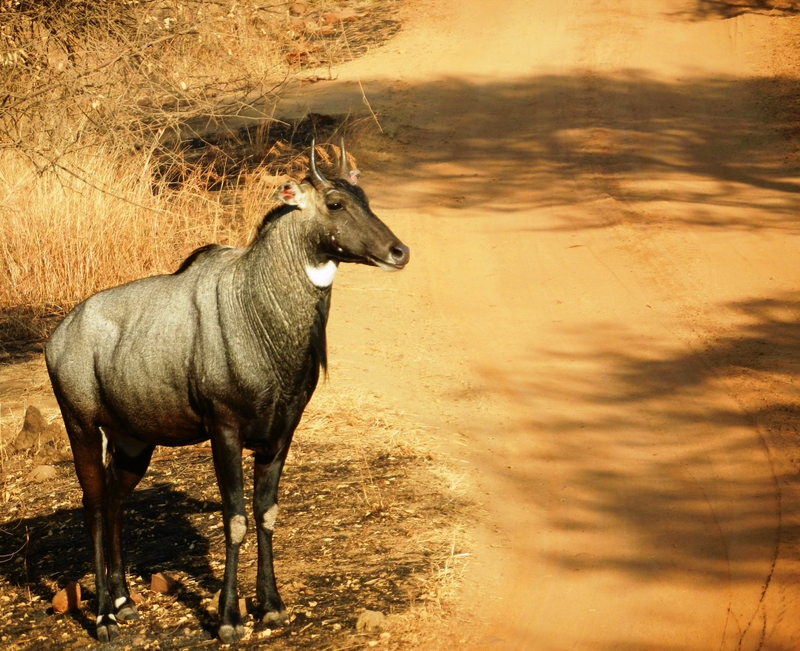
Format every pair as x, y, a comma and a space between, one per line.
601, 313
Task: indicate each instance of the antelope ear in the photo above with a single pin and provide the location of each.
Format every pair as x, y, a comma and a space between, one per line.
292, 194
354, 175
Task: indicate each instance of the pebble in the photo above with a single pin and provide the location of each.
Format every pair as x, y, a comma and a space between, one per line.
370, 620
160, 582
42, 473
68, 598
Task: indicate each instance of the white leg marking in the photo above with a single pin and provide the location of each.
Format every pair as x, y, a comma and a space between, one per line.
100, 618
119, 601
268, 521
322, 276
238, 529
105, 445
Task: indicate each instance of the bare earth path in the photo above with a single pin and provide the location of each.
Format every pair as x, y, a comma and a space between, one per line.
601, 316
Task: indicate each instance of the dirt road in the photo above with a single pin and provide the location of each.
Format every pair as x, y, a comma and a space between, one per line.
601, 320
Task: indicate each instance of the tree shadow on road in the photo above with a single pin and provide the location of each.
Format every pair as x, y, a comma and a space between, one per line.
722, 9
685, 458
713, 148
704, 152
691, 451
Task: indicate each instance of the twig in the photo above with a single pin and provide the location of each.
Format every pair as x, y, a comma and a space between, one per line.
360, 85
25, 564
4, 558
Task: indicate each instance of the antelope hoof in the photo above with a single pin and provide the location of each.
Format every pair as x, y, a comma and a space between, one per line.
228, 633
128, 613
107, 628
274, 618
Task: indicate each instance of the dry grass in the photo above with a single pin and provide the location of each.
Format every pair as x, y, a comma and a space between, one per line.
152, 73
78, 73
62, 240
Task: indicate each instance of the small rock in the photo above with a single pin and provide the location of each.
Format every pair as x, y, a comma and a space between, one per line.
370, 621
298, 8
42, 473
67, 599
55, 434
54, 443
160, 582
32, 427
137, 598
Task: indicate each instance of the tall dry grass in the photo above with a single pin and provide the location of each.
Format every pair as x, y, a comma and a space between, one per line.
62, 239
95, 100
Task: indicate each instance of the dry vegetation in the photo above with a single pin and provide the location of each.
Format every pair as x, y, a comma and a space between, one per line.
115, 121
117, 158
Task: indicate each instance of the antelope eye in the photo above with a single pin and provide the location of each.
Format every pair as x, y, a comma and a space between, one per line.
334, 206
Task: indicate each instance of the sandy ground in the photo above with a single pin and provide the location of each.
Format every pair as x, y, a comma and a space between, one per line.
601, 316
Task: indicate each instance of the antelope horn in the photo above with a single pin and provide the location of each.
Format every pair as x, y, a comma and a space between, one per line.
345, 166
344, 171
312, 164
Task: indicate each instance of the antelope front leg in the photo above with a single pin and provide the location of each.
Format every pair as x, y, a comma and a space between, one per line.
265, 507
227, 450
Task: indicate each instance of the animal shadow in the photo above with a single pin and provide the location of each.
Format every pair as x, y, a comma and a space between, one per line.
45, 551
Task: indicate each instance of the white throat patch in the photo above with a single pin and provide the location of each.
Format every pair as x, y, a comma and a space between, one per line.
322, 276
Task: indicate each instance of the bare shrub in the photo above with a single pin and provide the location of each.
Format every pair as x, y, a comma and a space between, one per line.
131, 73
154, 73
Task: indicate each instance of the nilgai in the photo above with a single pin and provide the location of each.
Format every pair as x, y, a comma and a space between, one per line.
228, 348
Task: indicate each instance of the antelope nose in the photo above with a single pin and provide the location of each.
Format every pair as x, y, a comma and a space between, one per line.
400, 255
